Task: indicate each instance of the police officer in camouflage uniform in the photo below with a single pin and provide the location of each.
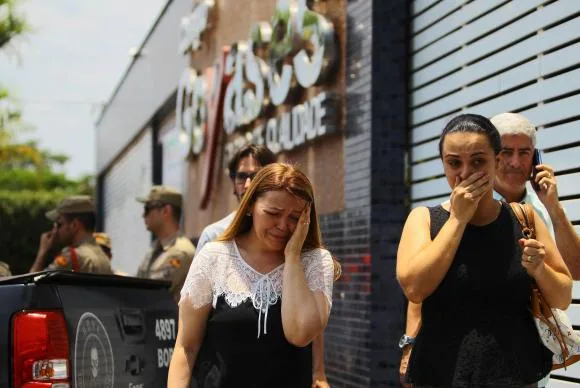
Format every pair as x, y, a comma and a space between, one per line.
171, 253
74, 224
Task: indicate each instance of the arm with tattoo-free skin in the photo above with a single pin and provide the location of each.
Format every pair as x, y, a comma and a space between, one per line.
422, 263
412, 329
190, 334
567, 241
304, 312
319, 379
413, 319
194, 309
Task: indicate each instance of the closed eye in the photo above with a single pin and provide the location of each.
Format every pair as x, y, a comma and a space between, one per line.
454, 163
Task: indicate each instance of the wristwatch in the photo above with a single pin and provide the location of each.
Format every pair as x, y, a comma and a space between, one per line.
406, 340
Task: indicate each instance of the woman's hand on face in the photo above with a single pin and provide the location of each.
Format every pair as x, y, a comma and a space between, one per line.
294, 246
533, 255
466, 195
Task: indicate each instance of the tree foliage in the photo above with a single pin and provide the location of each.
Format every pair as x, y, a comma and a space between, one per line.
22, 221
31, 177
11, 23
30, 185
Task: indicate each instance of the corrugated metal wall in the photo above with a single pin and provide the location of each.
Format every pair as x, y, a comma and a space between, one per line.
129, 177
488, 57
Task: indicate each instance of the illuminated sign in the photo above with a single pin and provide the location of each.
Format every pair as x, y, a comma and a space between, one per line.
302, 53
214, 101
193, 25
191, 108
266, 73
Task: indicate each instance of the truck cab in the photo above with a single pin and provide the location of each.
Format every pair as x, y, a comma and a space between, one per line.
66, 329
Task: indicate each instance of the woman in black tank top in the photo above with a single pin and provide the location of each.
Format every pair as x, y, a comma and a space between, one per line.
469, 266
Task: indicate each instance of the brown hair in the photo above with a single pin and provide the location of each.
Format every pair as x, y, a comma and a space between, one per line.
276, 177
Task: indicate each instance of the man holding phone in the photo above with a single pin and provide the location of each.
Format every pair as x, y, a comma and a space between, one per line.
520, 163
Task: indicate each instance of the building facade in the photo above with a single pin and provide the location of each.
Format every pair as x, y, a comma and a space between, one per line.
356, 93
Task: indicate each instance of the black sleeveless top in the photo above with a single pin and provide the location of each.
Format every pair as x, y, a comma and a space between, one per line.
232, 357
477, 328
244, 344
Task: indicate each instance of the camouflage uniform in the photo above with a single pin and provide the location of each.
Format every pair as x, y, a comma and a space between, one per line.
168, 262
89, 256
104, 242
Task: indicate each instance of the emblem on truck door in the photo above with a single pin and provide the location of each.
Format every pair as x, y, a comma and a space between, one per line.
93, 354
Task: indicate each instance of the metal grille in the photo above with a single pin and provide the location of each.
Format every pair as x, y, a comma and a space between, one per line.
130, 177
493, 56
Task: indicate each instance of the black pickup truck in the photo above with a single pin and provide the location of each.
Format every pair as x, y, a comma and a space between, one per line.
63, 329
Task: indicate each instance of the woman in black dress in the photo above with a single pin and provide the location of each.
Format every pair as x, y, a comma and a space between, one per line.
468, 265
253, 301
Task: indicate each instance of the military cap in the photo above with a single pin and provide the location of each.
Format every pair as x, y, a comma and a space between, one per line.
163, 194
76, 204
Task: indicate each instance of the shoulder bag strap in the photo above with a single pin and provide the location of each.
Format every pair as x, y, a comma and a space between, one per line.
540, 307
525, 215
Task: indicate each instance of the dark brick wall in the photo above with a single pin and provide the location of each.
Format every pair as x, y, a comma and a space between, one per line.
347, 340
388, 190
368, 307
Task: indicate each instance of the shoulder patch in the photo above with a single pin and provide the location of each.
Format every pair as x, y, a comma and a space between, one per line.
61, 261
175, 262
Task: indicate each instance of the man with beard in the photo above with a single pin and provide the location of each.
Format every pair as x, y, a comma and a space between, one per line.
74, 225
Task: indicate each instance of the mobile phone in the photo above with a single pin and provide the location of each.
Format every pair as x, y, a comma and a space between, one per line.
536, 160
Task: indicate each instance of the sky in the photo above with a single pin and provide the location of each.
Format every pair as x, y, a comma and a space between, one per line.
64, 70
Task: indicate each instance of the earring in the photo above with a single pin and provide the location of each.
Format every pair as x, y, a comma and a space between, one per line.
248, 214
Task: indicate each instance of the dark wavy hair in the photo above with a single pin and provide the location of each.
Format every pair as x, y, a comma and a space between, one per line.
261, 153
472, 123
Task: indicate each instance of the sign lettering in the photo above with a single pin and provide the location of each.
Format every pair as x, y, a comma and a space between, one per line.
164, 357
193, 26
165, 329
294, 29
308, 121
244, 84
245, 96
214, 102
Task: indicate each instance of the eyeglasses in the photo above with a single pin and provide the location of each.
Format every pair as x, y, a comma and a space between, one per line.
151, 206
241, 177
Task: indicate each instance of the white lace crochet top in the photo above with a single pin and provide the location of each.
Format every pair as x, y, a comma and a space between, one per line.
219, 270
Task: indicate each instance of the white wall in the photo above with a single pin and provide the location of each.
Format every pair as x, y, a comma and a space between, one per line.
130, 177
